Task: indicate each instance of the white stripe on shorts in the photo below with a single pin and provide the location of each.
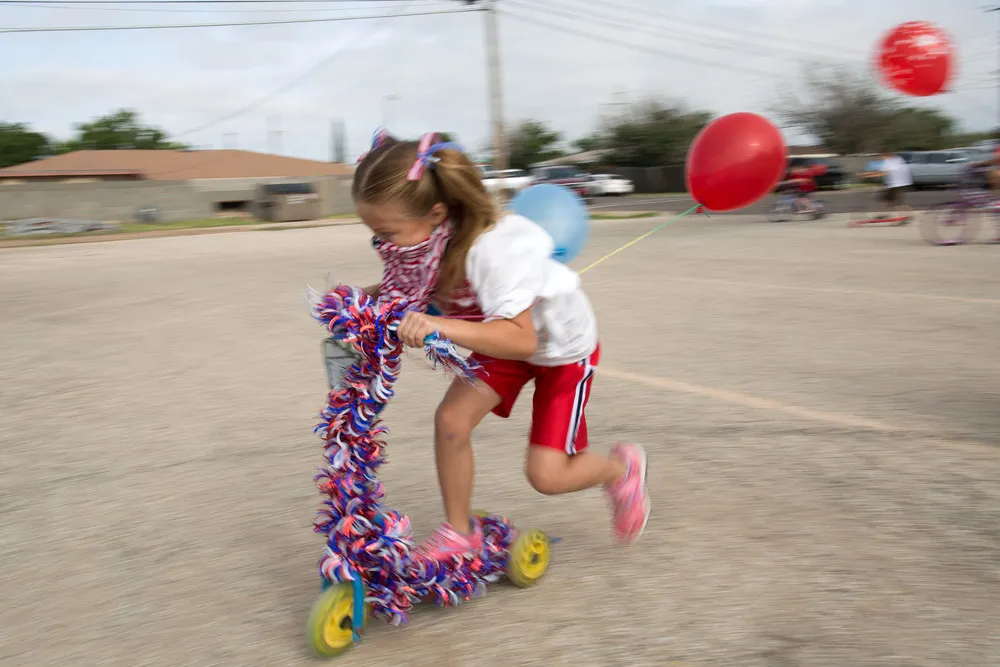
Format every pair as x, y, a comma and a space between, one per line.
579, 404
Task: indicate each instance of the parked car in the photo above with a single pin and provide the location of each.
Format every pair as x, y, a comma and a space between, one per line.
828, 173
978, 153
513, 180
571, 177
936, 169
610, 184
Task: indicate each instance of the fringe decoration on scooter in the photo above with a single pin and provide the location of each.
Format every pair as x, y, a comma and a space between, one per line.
364, 539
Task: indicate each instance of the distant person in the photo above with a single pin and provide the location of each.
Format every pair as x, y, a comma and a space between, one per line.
442, 242
802, 181
978, 174
898, 180
994, 173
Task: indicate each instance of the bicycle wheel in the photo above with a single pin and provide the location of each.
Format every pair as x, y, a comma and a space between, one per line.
951, 223
780, 212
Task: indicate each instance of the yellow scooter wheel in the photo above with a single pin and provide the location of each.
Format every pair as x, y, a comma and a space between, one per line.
528, 558
331, 622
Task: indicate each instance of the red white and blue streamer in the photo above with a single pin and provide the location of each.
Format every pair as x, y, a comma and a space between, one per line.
365, 539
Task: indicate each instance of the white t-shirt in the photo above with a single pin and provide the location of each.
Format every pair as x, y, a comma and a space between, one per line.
897, 172
511, 269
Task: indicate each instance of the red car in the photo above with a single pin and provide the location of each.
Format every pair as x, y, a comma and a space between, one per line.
571, 177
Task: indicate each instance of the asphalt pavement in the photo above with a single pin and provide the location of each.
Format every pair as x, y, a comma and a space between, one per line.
820, 405
837, 201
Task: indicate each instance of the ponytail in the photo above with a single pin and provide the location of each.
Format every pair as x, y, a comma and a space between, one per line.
470, 207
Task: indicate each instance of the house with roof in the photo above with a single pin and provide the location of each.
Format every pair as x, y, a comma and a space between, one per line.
175, 184
89, 166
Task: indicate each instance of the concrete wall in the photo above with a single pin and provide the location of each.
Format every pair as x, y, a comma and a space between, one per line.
334, 191
175, 200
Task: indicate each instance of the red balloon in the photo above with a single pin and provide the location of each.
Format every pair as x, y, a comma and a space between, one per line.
916, 58
734, 161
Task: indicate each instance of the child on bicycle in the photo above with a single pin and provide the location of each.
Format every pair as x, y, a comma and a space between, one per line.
442, 243
802, 181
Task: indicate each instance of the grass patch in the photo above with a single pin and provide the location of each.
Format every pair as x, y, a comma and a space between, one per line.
135, 229
281, 229
656, 194
139, 228
624, 215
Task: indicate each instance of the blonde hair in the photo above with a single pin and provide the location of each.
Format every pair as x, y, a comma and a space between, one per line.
452, 180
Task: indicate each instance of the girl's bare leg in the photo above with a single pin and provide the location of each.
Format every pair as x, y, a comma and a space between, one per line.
462, 408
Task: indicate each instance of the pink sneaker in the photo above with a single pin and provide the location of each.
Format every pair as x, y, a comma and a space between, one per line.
446, 542
629, 495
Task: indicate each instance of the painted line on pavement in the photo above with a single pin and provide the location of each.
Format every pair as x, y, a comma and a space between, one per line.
809, 414
838, 290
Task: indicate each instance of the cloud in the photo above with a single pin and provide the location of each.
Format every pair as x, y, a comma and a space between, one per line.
436, 65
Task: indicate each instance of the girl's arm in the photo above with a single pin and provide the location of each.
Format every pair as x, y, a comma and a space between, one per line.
373, 291
501, 339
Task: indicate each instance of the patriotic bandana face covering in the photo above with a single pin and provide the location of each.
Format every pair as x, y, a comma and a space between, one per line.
411, 272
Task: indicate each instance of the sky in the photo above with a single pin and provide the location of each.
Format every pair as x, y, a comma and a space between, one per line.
423, 73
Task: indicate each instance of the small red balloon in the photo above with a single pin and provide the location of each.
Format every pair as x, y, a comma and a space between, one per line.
734, 161
916, 58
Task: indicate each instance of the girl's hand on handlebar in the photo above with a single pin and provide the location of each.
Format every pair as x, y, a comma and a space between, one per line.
414, 328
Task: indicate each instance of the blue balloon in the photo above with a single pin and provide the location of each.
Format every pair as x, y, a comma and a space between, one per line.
560, 212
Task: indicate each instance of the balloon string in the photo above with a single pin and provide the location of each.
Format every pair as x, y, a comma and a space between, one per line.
644, 236
610, 254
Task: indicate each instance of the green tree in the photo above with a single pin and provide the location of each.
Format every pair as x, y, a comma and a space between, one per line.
118, 130
590, 142
19, 144
917, 129
653, 134
532, 142
846, 111
839, 106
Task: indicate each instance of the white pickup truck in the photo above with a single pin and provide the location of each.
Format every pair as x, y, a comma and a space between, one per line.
937, 169
507, 180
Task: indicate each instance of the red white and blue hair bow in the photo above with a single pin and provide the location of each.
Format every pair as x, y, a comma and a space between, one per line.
379, 137
428, 146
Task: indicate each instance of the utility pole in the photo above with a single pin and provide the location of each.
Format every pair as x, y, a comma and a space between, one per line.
275, 135
338, 148
495, 79
619, 99
996, 130
386, 99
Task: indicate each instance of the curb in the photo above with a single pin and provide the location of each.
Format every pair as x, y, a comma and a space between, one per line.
166, 233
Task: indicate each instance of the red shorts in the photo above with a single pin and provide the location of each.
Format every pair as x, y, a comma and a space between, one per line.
561, 393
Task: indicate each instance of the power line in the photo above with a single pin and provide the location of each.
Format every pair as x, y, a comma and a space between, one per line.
636, 47
728, 41
234, 23
701, 41
742, 33
186, 2
288, 85
106, 8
